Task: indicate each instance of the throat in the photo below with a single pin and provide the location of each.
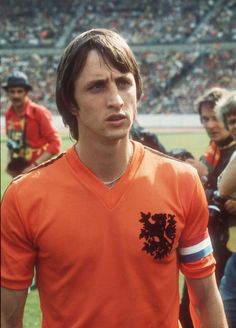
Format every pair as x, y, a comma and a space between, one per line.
111, 172
110, 184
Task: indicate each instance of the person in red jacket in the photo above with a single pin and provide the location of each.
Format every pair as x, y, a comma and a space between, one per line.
31, 137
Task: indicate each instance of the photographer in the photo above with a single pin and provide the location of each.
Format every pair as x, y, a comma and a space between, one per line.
31, 137
209, 167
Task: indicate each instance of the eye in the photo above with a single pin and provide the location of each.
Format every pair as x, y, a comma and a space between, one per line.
97, 86
204, 120
123, 82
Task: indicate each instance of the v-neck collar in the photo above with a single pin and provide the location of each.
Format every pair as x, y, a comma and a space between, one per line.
109, 196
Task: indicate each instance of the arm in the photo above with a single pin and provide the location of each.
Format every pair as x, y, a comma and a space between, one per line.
12, 307
206, 305
227, 182
42, 158
50, 134
230, 206
199, 166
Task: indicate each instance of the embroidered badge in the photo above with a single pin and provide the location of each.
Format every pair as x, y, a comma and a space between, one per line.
158, 232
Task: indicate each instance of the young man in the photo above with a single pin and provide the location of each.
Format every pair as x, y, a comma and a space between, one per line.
31, 137
117, 220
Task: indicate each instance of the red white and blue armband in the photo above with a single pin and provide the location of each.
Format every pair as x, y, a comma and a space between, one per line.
196, 249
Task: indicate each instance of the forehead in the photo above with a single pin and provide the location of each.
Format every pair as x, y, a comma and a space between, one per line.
207, 110
95, 63
97, 68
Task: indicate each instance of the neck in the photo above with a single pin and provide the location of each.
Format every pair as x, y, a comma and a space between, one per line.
224, 142
108, 163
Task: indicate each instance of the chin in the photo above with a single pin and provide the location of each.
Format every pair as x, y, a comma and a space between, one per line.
119, 135
215, 137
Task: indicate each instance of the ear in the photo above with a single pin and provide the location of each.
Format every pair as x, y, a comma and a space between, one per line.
74, 110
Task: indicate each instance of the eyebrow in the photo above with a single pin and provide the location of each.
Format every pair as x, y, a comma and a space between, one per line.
95, 81
105, 80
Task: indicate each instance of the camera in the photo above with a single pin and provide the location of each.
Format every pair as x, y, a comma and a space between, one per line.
218, 218
17, 163
13, 146
149, 139
180, 153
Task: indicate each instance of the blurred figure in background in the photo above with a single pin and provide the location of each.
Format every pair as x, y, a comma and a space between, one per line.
147, 138
31, 137
226, 110
209, 167
211, 164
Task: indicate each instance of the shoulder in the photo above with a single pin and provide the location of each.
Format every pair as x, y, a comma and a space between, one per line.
168, 163
37, 109
38, 178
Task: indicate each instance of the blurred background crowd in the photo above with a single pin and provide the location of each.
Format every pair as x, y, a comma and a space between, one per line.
183, 47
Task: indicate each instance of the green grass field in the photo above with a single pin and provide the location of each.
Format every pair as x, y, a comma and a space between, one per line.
195, 142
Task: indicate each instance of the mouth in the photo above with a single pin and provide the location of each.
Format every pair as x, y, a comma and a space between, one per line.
213, 133
116, 119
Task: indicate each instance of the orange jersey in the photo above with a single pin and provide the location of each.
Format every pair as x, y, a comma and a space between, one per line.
105, 257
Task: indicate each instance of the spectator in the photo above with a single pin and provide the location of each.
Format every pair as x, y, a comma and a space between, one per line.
226, 110
211, 164
31, 138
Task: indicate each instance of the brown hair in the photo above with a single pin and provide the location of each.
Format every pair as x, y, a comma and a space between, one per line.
115, 52
226, 107
211, 97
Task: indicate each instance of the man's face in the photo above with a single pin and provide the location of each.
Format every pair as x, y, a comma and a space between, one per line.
231, 123
106, 101
18, 96
214, 127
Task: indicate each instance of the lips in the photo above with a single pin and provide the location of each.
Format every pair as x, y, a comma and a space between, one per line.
115, 117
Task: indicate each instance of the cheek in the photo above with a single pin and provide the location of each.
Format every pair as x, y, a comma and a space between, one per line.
232, 128
131, 97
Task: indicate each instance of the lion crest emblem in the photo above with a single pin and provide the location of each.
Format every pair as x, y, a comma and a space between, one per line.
158, 232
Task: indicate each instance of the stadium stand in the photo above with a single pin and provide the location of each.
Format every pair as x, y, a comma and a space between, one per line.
182, 47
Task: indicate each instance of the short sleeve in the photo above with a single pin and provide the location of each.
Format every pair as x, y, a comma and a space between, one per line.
18, 253
195, 249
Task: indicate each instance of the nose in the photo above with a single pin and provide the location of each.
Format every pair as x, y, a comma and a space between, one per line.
211, 123
114, 98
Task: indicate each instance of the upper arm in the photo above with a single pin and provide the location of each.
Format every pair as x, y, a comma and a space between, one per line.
49, 132
227, 183
12, 307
